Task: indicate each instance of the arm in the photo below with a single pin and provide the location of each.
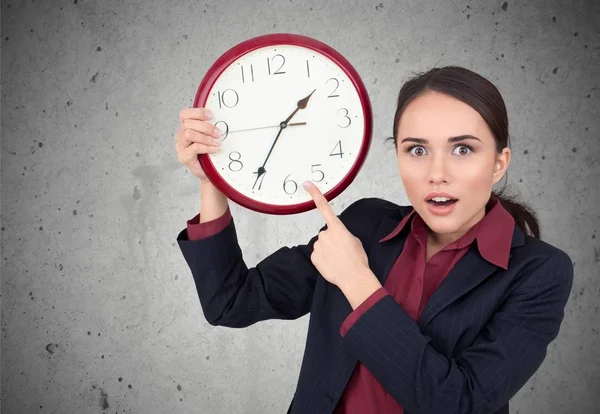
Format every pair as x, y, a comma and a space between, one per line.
214, 214
213, 202
233, 295
508, 351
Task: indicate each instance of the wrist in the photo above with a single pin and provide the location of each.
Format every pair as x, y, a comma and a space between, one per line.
213, 203
359, 287
205, 182
208, 188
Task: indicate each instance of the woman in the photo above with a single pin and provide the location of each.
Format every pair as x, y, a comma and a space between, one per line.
445, 306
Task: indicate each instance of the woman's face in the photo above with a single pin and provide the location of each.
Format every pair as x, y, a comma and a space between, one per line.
466, 168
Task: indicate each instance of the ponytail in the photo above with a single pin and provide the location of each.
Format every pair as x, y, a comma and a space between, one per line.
524, 216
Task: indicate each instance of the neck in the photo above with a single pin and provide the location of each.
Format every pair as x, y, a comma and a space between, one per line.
441, 240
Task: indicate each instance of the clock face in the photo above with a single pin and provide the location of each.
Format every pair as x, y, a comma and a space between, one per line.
265, 155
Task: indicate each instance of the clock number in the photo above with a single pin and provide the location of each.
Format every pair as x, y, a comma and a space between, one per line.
226, 128
285, 185
313, 170
226, 99
337, 85
259, 181
277, 72
340, 153
346, 117
235, 161
251, 73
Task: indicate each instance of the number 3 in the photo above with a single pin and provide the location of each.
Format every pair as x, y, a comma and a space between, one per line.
345, 116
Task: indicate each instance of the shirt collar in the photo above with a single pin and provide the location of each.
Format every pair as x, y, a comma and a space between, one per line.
493, 233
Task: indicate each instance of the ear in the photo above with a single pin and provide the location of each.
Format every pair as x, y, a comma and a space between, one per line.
501, 165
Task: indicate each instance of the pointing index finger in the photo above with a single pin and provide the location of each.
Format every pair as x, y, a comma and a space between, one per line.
321, 203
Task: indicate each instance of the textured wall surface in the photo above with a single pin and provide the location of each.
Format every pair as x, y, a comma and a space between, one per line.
99, 310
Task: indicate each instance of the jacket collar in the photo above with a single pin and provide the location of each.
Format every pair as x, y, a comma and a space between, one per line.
493, 233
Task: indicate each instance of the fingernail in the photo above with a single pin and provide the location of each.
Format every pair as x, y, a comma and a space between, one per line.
216, 141
208, 113
218, 131
306, 184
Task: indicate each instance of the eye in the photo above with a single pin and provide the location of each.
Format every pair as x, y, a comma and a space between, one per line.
410, 150
467, 149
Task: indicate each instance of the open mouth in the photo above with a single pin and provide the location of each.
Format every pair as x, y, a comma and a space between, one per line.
442, 203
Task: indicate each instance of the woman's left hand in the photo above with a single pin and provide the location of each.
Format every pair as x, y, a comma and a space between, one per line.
337, 254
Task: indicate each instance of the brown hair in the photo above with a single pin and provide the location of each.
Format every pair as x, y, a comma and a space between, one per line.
484, 97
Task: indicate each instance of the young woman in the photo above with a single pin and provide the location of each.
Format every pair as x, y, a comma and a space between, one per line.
444, 306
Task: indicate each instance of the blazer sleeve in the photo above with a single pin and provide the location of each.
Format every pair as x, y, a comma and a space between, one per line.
231, 294
484, 376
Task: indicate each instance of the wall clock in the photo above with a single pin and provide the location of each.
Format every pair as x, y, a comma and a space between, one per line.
291, 109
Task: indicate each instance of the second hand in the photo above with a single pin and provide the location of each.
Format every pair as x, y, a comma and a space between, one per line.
265, 127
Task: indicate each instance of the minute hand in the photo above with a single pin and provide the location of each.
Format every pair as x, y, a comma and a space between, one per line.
301, 105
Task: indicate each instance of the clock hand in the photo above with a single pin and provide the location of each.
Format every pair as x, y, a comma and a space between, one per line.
300, 105
261, 170
270, 126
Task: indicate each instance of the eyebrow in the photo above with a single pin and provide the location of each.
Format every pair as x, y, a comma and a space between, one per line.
451, 139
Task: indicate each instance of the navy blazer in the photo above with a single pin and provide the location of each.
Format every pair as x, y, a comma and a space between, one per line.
482, 335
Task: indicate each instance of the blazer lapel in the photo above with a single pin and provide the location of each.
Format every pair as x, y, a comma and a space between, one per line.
470, 271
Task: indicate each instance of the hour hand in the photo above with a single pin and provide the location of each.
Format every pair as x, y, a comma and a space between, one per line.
301, 105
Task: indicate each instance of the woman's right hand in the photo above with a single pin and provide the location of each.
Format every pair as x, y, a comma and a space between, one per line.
196, 136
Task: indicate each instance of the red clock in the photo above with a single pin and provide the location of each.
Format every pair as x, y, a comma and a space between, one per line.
291, 109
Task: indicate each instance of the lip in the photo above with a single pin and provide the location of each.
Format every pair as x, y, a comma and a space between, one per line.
441, 211
431, 195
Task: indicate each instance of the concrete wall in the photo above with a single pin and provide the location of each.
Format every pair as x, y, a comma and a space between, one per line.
99, 310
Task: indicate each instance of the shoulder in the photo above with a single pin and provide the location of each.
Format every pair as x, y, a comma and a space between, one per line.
541, 251
367, 213
543, 264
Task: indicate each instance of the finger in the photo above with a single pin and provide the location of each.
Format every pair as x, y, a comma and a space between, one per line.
201, 126
321, 203
203, 114
190, 136
186, 155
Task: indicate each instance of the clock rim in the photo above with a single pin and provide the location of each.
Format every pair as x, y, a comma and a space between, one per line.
247, 46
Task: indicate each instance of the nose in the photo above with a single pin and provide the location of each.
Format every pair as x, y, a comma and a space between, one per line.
438, 171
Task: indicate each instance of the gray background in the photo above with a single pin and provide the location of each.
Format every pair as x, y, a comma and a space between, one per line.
99, 309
